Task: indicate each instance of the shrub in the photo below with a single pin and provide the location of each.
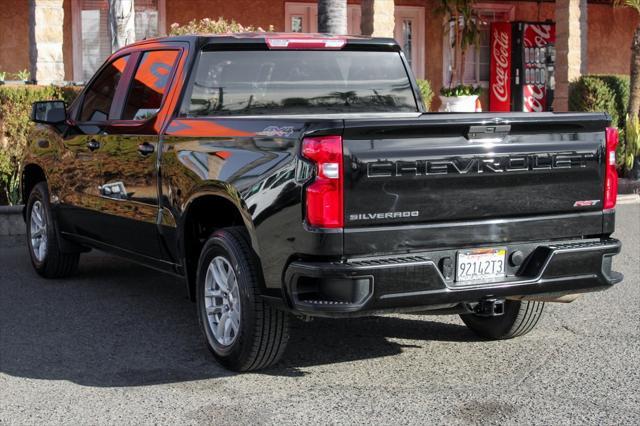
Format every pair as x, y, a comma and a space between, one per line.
620, 86
210, 26
15, 110
629, 149
591, 94
426, 92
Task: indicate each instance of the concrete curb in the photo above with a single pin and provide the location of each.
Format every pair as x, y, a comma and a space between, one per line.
11, 209
628, 199
11, 221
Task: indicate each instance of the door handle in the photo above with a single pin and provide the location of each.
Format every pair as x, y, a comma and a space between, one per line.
146, 148
93, 145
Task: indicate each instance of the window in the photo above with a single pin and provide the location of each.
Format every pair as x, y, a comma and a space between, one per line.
92, 35
296, 24
303, 18
149, 84
99, 95
478, 59
298, 82
407, 39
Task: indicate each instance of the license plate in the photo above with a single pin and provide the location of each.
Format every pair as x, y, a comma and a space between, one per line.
480, 264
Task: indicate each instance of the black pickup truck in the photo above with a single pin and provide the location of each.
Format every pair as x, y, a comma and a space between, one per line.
287, 176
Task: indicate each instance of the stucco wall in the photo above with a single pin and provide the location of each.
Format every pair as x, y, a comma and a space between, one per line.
14, 36
247, 12
610, 33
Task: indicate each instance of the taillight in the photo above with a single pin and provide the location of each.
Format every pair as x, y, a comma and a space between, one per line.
611, 176
324, 195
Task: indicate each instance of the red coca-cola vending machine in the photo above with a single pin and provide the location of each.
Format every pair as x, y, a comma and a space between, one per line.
522, 66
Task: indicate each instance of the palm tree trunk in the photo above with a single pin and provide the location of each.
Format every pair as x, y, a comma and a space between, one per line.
634, 98
121, 23
463, 60
332, 16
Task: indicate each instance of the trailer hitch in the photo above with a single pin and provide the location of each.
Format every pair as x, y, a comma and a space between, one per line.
489, 308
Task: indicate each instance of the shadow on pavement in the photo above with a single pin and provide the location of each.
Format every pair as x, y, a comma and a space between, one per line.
120, 324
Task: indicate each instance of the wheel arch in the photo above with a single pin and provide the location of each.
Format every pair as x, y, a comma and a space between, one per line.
203, 213
31, 175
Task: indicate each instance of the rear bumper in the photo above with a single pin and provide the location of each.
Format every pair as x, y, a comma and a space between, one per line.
424, 281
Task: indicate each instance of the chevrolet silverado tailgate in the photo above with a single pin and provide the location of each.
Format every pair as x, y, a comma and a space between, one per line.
460, 168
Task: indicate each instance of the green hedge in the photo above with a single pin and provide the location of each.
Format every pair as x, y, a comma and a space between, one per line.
620, 86
15, 109
609, 93
426, 92
591, 94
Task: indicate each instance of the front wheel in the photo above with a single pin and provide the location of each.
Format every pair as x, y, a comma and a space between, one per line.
519, 318
242, 331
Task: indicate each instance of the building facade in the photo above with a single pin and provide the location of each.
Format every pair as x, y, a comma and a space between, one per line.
419, 28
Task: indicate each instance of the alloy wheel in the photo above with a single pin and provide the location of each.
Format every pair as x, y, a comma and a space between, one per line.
38, 231
222, 301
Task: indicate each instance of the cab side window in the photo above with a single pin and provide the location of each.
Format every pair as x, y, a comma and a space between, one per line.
150, 82
99, 96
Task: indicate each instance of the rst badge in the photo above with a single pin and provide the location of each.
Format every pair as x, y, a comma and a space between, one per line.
586, 203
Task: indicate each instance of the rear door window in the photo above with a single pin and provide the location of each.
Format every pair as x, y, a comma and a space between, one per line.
298, 82
149, 84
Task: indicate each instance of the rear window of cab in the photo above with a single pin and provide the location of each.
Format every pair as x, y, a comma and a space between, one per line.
232, 83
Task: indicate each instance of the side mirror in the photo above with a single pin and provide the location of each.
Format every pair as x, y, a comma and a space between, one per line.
49, 112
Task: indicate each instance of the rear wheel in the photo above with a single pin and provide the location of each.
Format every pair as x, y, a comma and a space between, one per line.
519, 318
43, 239
242, 332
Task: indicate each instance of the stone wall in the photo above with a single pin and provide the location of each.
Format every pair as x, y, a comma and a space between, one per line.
46, 36
377, 18
571, 47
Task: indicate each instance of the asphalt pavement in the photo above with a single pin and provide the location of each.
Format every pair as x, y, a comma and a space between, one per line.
119, 343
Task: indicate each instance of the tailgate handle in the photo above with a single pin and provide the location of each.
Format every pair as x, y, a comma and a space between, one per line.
498, 131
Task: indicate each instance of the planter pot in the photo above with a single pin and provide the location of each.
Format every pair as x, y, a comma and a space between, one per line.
458, 103
15, 82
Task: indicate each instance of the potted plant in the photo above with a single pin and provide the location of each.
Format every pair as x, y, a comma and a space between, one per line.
23, 76
3, 74
464, 33
20, 77
460, 98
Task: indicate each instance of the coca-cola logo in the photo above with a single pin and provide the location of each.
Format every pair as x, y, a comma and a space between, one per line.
534, 98
538, 35
501, 65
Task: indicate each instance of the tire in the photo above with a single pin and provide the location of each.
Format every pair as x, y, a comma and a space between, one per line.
254, 334
43, 239
519, 318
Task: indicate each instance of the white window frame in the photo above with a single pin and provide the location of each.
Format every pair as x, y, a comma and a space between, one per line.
417, 14
76, 33
309, 13
507, 10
